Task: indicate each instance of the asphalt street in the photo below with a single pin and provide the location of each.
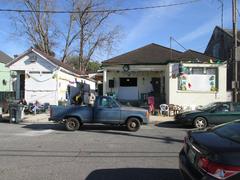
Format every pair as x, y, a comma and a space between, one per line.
47, 151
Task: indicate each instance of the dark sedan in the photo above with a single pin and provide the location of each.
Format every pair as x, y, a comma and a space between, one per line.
212, 154
215, 113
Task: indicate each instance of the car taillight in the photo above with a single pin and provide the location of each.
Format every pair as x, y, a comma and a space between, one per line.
216, 170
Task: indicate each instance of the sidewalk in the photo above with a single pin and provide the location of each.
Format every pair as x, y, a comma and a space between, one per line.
159, 119
30, 118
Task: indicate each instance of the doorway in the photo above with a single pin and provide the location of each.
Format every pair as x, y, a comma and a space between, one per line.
22, 86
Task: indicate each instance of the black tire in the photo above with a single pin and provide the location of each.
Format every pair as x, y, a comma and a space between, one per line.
80, 125
200, 122
72, 124
133, 124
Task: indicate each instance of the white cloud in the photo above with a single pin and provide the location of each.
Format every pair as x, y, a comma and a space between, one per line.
205, 28
151, 19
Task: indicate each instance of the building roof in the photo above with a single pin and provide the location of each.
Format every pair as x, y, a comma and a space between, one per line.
149, 54
4, 58
50, 58
157, 54
195, 56
230, 32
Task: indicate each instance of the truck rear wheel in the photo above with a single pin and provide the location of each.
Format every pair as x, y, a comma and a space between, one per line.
72, 124
133, 124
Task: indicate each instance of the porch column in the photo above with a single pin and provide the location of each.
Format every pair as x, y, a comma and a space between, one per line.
104, 82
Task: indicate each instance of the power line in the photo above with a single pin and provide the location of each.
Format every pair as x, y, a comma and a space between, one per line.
98, 11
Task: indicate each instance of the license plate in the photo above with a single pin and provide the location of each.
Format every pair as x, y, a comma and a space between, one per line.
191, 155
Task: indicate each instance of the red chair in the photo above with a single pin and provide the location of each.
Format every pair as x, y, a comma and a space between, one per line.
151, 104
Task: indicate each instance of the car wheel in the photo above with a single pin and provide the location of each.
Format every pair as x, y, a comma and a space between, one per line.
133, 124
200, 122
80, 125
72, 124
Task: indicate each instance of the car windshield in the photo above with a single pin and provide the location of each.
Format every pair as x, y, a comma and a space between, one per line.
209, 106
230, 131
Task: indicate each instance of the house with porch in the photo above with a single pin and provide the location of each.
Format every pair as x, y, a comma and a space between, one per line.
40, 77
187, 78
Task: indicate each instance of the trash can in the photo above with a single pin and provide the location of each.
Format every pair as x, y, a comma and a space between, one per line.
15, 112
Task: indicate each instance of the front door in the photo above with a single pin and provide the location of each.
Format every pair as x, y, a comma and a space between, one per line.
22, 86
107, 111
156, 85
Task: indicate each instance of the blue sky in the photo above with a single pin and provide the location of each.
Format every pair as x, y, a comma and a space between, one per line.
190, 24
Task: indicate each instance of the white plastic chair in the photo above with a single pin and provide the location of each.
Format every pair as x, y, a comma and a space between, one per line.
164, 109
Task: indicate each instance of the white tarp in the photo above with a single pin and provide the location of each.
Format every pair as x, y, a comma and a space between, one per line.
200, 82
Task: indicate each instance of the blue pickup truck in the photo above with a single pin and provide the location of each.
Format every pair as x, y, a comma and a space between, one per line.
105, 110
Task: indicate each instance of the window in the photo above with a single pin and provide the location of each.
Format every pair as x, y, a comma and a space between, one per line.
236, 107
216, 49
223, 108
127, 82
46, 72
107, 102
212, 71
197, 70
34, 72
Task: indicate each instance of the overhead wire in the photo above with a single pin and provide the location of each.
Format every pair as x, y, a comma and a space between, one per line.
98, 11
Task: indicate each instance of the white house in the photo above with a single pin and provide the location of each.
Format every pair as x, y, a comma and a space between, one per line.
40, 77
185, 78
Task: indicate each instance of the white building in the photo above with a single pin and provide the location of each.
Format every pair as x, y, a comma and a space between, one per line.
40, 77
154, 70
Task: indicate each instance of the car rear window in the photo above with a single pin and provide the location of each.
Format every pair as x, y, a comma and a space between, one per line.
230, 131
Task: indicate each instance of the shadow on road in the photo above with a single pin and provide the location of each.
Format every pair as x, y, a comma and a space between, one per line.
172, 124
104, 129
41, 126
165, 139
61, 127
134, 173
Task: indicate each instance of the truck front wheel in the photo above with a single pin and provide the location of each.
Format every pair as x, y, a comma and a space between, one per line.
72, 124
133, 124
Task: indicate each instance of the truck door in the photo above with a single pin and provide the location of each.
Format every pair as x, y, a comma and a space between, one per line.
107, 111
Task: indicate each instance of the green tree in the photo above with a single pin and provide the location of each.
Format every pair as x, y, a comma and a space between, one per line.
92, 66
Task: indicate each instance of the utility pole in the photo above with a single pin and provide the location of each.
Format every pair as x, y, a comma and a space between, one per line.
235, 56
